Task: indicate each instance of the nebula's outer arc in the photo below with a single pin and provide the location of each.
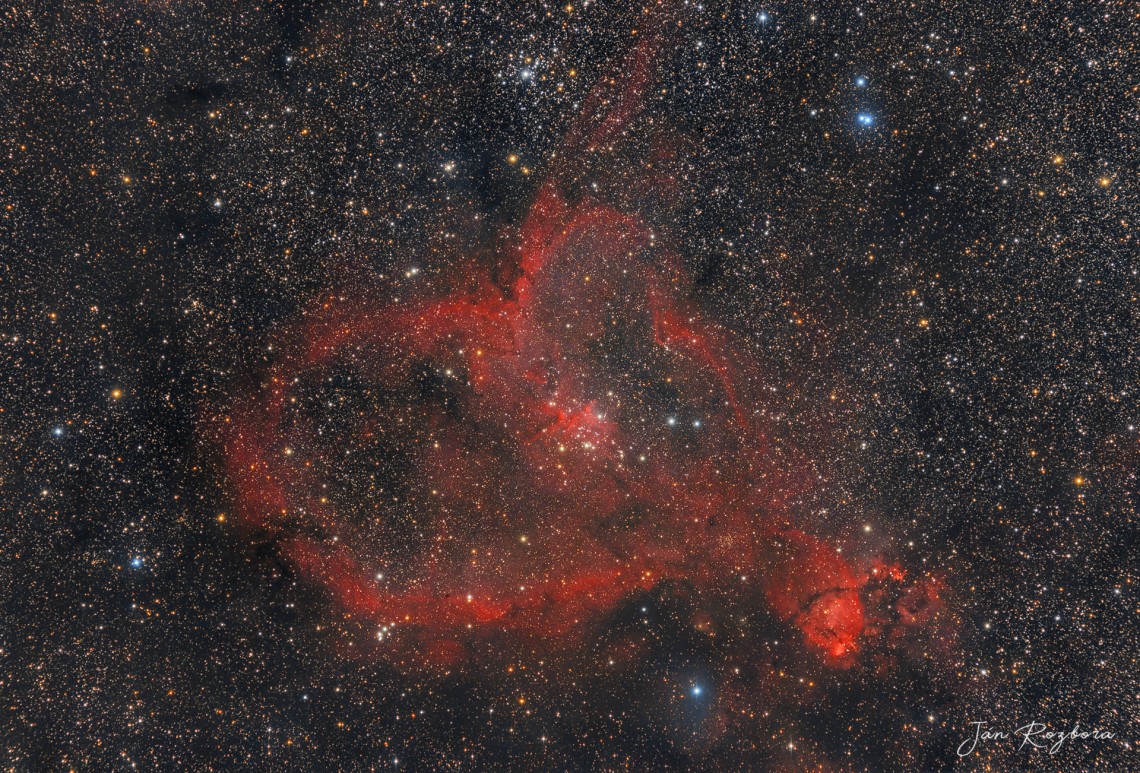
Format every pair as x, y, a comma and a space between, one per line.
536, 513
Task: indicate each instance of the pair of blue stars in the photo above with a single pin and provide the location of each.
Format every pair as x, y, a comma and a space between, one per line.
863, 119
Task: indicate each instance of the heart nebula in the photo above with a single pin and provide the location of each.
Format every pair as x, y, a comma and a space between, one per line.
515, 459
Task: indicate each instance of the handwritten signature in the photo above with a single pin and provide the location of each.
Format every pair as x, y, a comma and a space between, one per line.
1035, 735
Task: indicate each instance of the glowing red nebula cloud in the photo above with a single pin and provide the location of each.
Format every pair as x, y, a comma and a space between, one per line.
582, 435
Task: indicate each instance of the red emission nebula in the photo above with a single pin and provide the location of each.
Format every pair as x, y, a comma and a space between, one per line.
555, 439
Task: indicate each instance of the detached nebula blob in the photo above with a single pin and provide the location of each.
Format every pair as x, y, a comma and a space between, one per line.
561, 434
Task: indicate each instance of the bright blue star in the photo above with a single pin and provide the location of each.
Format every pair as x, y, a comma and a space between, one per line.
860, 81
136, 563
763, 17
865, 119
696, 690
58, 432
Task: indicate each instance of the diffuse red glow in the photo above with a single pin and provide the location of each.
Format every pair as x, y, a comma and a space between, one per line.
591, 437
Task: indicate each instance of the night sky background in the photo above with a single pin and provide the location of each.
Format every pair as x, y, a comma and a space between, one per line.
907, 231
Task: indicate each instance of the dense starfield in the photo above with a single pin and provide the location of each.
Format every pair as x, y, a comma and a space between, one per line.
600, 386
